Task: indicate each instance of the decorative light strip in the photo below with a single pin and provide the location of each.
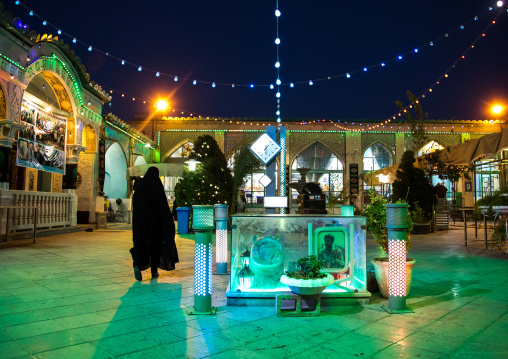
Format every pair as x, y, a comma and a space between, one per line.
200, 269
213, 84
125, 132
12, 62
277, 63
422, 95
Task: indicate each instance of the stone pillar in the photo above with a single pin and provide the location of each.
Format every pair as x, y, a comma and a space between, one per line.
69, 179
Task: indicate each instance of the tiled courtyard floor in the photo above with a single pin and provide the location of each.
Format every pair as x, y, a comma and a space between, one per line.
74, 296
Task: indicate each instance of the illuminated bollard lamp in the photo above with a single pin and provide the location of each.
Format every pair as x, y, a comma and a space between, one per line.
221, 239
202, 223
396, 223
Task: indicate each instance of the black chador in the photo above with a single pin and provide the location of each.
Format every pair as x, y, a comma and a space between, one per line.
153, 229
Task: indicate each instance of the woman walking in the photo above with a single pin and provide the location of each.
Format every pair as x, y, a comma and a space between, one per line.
153, 229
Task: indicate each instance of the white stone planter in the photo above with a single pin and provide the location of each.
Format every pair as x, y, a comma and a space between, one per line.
307, 286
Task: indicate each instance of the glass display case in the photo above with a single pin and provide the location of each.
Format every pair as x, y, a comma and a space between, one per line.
264, 246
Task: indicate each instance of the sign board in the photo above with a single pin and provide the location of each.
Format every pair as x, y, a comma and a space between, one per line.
275, 202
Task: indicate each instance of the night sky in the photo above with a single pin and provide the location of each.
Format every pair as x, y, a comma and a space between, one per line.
233, 42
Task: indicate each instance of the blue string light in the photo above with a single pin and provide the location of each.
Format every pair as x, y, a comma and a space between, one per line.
277, 42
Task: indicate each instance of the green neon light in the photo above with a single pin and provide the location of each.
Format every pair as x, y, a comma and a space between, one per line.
12, 62
125, 132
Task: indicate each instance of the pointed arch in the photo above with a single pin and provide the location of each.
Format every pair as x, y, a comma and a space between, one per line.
115, 184
326, 168
377, 156
429, 147
176, 148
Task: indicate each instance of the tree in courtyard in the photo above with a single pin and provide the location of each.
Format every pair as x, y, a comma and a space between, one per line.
416, 123
412, 185
244, 164
212, 182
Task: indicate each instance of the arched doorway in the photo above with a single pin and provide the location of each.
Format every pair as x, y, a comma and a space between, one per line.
115, 182
47, 114
376, 157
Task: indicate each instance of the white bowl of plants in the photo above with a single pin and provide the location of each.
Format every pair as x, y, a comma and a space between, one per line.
307, 279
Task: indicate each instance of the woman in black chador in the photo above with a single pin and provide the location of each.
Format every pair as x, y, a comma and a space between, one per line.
153, 229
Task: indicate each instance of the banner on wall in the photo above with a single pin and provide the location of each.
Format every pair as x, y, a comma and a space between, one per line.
42, 144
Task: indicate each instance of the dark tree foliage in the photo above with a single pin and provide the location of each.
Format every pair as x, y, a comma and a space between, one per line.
412, 185
212, 181
416, 123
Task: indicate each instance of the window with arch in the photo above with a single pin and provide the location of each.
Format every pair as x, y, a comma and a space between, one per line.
376, 157
430, 147
183, 151
325, 168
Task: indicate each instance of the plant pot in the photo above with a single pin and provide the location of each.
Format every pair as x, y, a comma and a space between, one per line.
381, 266
307, 286
421, 228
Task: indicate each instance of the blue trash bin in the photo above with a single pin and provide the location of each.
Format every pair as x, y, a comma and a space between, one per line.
182, 217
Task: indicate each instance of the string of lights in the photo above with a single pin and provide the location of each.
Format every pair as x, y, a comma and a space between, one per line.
423, 95
214, 84
277, 64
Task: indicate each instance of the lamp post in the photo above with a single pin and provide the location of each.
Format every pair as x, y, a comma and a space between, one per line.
203, 225
396, 223
221, 238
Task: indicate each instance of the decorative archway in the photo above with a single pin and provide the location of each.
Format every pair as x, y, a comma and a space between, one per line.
115, 183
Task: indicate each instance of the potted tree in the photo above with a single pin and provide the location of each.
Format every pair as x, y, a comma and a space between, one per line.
376, 224
307, 279
421, 223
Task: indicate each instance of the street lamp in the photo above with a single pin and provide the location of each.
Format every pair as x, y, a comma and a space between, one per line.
497, 109
161, 105
192, 163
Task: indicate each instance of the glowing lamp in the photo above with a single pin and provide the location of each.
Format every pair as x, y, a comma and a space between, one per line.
245, 257
347, 211
396, 223
499, 3
277, 41
245, 276
203, 226
497, 109
277, 12
192, 163
161, 105
221, 238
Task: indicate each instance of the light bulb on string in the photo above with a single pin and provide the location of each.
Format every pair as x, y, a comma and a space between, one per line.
365, 69
251, 86
176, 78
416, 50
44, 23
140, 68
123, 62
278, 82
158, 74
194, 82
348, 75
291, 85
400, 57
213, 84
271, 86
311, 83
383, 64
277, 12
59, 32
31, 13
74, 40
277, 41
277, 64
89, 48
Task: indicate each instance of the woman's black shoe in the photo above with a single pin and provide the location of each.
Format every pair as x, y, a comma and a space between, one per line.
137, 273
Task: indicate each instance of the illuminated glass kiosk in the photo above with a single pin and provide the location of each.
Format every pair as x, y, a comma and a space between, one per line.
264, 246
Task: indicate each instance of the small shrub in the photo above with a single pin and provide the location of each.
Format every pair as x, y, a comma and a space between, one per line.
308, 268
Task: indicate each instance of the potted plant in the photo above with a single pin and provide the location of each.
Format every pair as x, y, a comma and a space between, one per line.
307, 279
421, 223
492, 206
376, 224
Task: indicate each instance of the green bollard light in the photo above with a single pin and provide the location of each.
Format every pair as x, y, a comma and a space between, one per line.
221, 239
203, 225
396, 223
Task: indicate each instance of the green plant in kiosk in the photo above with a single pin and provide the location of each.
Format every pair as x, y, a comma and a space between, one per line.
308, 268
